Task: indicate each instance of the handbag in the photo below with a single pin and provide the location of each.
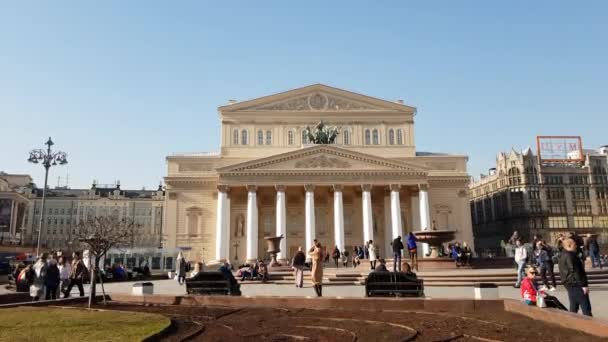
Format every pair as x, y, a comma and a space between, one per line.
540, 301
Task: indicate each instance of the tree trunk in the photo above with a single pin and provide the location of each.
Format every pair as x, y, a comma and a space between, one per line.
93, 282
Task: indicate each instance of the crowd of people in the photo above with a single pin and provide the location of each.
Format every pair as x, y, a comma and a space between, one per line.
51, 276
570, 252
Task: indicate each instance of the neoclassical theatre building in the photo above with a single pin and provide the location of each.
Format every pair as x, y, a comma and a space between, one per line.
268, 179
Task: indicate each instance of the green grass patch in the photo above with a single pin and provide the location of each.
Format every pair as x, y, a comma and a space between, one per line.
54, 324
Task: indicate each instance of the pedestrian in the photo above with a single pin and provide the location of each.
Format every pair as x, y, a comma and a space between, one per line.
345, 259
412, 250
52, 280
317, 268
298, 266
355, 256
542, 258
64, 275
180, 268
521, 255
336, 255
397, 248
593, 250
366, 250
77, 275
373, 252
574, 278
37, 278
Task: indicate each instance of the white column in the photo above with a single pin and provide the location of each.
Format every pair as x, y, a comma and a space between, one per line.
388, 232
281, 221
425, 213
227, 240
221, 231
338, 218
396, 211
368, 221
252, 223
310, 215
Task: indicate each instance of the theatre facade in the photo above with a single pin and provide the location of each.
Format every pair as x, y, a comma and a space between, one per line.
269, 178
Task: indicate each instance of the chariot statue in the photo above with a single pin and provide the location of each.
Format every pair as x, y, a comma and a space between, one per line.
322, 134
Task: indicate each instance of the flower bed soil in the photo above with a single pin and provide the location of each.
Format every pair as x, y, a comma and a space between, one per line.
200, 323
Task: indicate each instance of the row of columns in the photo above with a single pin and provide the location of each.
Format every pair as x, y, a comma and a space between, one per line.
223, 218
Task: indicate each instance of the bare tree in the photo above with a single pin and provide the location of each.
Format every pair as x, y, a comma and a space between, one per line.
99, 235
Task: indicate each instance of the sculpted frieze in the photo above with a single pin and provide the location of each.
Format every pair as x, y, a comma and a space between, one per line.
315, 101
322, 161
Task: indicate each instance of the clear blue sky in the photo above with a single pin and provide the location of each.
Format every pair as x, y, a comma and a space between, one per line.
122, 84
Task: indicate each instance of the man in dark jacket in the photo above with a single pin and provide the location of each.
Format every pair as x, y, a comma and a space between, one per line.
397, 248
574, 278
298, 264
79, 271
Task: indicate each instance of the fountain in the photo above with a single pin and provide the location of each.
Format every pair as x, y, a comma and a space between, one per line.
435, 239
274, 247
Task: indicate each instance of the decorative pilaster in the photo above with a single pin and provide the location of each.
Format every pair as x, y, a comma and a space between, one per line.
281, 222
338, 218
221, 227
368, 220
252, 223
310, 215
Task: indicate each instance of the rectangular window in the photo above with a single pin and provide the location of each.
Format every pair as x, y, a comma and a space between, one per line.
603, 221
583, 222
558, 222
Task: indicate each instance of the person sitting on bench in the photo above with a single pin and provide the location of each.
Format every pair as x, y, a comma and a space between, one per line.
235, 287
530, 294
407, 269
381, 267
262, 271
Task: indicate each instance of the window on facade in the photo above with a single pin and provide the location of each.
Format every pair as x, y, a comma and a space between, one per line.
583, 222
304, 137
290, 139
346, 137
582, 207
558, 222
399, 137
603, 221
391, 137
375, 137
244, 137
235, 137
260, 137
368, 137
268, 138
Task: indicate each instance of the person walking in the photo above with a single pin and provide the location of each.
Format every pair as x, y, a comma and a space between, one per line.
355, 258
412, 250
593, 250
521, 255
180, 268
37, 278
77, 275
336, 255
298, 266
64, 275
366, 250
541, 256
317, 268
397, 248
52, 279
373, 254
574, 278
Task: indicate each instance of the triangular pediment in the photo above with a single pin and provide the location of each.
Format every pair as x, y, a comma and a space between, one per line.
323, 158
316, 98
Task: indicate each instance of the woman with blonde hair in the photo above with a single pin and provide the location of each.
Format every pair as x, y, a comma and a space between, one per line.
317, 256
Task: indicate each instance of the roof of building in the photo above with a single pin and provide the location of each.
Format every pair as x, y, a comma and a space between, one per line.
102, 192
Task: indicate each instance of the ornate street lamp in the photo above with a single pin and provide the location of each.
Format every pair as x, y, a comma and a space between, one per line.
47, 158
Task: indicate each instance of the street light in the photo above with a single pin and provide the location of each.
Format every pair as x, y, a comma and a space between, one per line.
47, 158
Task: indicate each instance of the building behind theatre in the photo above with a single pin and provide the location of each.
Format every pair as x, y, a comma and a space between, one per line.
527, 194
65, 207
268, 179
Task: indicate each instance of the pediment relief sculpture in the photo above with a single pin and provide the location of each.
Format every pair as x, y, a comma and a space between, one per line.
322, 161
315, 102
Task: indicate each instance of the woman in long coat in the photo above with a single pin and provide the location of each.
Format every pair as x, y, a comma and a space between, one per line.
38, 278
180, 268
316, 275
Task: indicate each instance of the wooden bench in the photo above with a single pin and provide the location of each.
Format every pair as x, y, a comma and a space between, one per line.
393, 284
210, 283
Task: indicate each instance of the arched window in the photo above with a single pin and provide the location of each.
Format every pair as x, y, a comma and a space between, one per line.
346, 137
304, 137
391, 137
290, 137
235, 137
375, 137
260, 137
367, 137
400, 137
244, 138
268, 138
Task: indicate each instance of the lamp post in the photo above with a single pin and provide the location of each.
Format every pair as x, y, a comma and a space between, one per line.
236, 250
47, 158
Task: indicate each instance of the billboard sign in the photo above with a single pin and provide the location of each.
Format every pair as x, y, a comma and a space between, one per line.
560, 149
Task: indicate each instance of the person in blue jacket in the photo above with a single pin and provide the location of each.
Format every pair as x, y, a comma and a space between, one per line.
412, 249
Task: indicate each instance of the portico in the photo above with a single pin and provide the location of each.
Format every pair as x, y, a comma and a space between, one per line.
270, 179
